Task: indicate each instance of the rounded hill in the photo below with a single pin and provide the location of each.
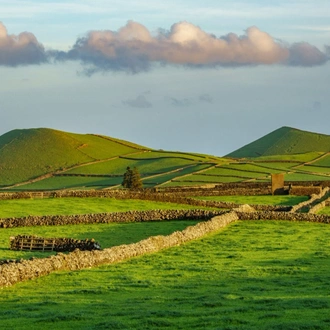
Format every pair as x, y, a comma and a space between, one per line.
284, 141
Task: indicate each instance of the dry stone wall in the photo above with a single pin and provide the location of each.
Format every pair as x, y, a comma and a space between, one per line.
130, 216
11, 273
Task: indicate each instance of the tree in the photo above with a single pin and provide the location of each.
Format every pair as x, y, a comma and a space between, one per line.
132, 179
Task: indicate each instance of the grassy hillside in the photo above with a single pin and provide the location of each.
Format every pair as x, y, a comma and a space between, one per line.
284, 141
46, 159
27, 154
41, 158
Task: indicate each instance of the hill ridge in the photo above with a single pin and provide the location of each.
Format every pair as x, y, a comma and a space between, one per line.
284, 141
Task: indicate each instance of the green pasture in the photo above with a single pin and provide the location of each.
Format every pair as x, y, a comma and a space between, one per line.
211, 178
90, 205
275, 167
325, 210
189, 181
288, 200
159, 179
118, 166
305, 177
324, 161
71, 182
252, 275
235, 172
315, 169
107, 235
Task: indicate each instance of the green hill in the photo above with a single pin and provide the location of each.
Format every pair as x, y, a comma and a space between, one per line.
29, 153
42, 158
284, 141
47, 159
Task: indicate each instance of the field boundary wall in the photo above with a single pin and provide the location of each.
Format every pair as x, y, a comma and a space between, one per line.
11, 273
28, 269
118, 217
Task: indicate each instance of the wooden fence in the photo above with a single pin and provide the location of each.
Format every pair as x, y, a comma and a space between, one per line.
34, 243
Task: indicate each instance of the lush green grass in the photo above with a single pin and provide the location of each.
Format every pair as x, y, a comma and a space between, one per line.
166, 177
299, 158
107, 235
212, 178
65, 206
71, 182
188, 181
240, 170
118, 166
252, 275
305, 177
275, 167
258, 200
325, 161
325, 210
315, 169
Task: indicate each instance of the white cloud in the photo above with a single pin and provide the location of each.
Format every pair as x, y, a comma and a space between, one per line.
20, 49
133, 48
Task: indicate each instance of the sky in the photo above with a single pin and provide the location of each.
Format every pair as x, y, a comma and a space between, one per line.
197, 76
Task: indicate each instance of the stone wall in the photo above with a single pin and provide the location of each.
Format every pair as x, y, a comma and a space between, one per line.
271, 215
11, 273
129, 216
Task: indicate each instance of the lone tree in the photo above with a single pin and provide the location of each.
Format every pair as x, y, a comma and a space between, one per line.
132, 179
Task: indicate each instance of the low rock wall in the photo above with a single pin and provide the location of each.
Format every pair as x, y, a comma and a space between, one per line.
270, 215
130, 216
11, 273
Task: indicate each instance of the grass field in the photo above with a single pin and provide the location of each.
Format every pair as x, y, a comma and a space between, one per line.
71, 182
118, 166
258, 200
65, 206
251, 275
305, 177
107, 235
325, 210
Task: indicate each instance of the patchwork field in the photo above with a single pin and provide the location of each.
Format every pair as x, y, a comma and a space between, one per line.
66, 206
251, 275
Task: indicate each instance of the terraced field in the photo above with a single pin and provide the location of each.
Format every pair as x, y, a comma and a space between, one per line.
60, 160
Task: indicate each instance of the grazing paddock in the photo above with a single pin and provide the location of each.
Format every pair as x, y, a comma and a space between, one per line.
107, 235
251, 275
258, 200
71, 205
118, 166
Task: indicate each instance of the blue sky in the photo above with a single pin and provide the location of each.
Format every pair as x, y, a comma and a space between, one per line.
197, 76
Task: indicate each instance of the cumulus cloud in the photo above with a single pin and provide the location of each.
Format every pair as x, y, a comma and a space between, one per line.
18, 50
139, 102
133, 48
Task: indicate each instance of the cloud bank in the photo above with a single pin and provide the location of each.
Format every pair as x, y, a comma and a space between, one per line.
20, 50
133, 48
